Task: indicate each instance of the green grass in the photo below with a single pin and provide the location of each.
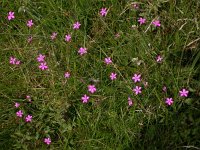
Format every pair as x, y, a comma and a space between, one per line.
106, 122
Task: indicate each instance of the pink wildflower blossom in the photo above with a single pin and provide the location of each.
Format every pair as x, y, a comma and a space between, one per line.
28, 118
184, 93
159, 58
67, 74
103, 11
113, 76
169, 101
41, 58
108, 60
17, 62
11, 15
19, 113
137, 90
82, 51
92, 88
85, 98
76, 25
29, 23
47, 141
17, 105
141, 20
43, 66
68, 38
54, 35
12, 60
156, 23
136, 78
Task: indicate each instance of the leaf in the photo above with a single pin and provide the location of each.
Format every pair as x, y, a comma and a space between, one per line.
22, 9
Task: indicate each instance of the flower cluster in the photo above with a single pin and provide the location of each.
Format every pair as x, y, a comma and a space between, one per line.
91, 88
156, 23
41, 60
20, 113
14, 61
138, 89
182, 93
28, 118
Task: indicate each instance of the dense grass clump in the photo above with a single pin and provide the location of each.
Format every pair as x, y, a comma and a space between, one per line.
100, 74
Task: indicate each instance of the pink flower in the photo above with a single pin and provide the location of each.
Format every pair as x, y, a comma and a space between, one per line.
141, 20
184, 93
29, 23
85, 98
43, 66
17, 105
28, 118
92, 88
12, 60
169, 101
41, 58
11, 15
19, 113
47, 141
67, 74
159, 58
156, 23
76, 25
113, 76
17, 62
68, 38
108, 60
136, 78
53, 35
103, 11
137, 90
82, 51
130, 102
